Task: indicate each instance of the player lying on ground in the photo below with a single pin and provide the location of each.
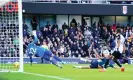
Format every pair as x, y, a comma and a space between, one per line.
94, 64
117, 52
42, 51
100, 63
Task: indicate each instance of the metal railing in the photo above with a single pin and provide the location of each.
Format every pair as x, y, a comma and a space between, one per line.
70, 1
84, 1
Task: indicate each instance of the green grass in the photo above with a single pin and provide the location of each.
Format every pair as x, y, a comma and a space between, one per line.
69, 72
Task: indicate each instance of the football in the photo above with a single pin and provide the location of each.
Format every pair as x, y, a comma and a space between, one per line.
122, 69
16, 65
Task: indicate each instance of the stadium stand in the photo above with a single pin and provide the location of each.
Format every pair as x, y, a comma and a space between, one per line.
80, 40
72, 41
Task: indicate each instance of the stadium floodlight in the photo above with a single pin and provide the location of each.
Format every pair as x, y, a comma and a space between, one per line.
11, 37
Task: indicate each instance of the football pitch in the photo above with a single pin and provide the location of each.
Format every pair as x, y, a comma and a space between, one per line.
50, 72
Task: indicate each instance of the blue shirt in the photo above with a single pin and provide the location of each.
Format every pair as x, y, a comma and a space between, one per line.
31, 49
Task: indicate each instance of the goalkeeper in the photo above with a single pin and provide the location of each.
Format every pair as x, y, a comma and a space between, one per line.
42, 51
31, 49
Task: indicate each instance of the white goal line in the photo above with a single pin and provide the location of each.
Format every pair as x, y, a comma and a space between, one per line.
9, 57
54, 77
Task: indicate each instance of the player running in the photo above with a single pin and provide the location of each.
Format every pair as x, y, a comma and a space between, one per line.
117, 52
42, 51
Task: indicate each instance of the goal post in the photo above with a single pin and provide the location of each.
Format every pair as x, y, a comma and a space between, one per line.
20, 35
11, 35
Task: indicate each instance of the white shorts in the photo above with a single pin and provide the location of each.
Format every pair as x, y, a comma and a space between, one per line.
106, 53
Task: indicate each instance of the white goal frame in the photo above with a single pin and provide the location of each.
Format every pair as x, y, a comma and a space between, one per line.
20, 22
20, 36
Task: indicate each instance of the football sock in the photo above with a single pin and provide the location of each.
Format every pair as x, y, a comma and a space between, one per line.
106, 63
58, 59
31, 60
117, 62
54, 63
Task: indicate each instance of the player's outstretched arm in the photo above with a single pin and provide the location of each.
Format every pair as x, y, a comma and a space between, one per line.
81, 67
85, 60
35, 36
96, 53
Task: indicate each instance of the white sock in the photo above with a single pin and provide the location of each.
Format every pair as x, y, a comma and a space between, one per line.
104, 69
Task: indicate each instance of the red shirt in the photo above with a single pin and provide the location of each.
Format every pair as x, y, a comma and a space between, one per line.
113, 27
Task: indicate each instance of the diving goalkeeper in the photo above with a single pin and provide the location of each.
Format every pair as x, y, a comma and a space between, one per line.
42, 51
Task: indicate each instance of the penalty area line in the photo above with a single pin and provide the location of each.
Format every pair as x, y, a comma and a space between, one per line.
54, 77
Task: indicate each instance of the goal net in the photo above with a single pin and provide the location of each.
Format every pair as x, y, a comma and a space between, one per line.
11, 41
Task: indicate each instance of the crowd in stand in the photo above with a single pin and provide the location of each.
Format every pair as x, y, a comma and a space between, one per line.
79, 40
9, 43
127, 32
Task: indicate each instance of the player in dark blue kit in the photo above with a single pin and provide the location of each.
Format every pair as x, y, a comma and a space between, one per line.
94, 64
99, 62
42, 51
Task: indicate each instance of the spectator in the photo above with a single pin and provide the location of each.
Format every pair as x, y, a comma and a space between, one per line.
87, 33
84, 23
81, 52
16, 41
61, 50
72, 35
118, 25
25, 33
89, 43
73, 23
55, 45
71, 30
113, 27
79, 36
64, 26
105, 34
25, 27
76, 53
34, 23
55, 32
39, 34
85, 47
48, 25
45, 32
112, 42
55, 26
69, 53
78, 25
66, 32
74, 47
108, 27
127, 34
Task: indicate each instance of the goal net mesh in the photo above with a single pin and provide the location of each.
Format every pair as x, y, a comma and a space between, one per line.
11, 35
